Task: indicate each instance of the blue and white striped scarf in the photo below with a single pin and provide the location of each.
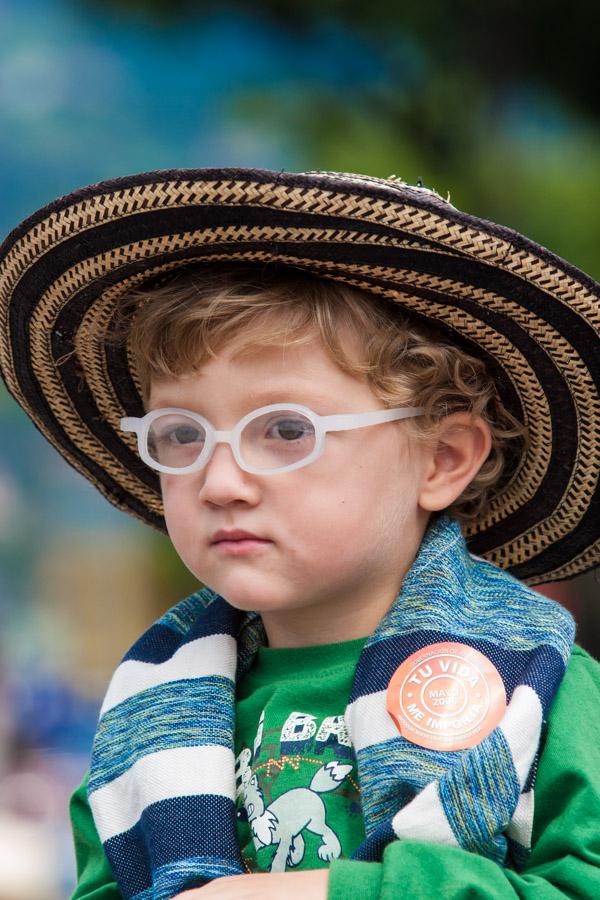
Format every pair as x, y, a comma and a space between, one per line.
162, 784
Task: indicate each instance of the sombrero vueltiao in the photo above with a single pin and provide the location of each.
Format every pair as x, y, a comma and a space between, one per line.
534, 318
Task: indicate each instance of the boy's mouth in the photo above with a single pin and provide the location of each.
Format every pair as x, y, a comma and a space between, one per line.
238, 542
234, 535
240, 547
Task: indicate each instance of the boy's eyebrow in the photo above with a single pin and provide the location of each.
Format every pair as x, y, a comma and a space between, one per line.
301, 395
304, 396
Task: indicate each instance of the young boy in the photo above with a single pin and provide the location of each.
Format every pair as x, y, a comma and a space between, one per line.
356, 703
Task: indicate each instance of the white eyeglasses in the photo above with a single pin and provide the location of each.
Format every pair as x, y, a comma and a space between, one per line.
272, 439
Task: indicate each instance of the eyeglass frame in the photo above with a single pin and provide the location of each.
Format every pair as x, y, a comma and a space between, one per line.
321, 424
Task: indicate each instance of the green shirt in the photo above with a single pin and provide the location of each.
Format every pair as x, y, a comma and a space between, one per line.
299, 799
289, 712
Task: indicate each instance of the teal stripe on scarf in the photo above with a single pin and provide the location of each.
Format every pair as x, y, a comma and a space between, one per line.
180, 618
397, 770
184, 713
478, 804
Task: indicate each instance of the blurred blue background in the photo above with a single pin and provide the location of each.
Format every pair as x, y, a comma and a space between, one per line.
497, 106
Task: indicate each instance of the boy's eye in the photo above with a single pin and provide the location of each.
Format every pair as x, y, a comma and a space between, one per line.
184, 434
177, 434
290, 429
175, 442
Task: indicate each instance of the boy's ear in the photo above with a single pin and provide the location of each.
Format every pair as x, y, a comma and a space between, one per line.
463, 444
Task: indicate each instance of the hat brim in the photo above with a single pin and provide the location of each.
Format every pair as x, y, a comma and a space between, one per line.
534, 319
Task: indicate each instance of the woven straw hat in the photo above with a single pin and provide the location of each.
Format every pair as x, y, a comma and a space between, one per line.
532, 317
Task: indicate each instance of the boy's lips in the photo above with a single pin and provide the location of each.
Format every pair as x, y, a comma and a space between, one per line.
235, 534
241, 547
238, 542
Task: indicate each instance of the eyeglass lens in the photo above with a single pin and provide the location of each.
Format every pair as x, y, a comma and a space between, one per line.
269, 441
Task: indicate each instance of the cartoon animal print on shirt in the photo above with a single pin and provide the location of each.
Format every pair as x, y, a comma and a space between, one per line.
284, 820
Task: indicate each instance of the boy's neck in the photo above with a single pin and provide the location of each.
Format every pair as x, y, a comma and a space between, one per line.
293, 632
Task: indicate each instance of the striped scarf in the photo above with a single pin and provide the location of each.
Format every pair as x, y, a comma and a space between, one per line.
162, 784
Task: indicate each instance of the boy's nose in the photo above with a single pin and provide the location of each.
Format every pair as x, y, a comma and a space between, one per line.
224, 481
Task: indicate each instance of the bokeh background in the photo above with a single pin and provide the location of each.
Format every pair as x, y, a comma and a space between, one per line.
495, 103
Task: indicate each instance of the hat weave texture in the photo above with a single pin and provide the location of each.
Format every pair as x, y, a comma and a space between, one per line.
531, 316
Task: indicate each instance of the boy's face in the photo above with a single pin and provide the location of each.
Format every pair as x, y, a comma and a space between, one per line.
341, 532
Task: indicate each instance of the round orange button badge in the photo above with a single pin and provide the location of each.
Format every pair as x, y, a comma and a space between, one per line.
446, 697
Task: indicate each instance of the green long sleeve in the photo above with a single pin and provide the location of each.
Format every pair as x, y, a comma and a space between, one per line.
95, 878
565, 858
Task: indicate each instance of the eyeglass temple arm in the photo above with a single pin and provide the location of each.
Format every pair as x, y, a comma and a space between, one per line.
342, 422
347, 421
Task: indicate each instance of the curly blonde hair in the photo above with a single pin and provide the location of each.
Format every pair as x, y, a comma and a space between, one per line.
173, 328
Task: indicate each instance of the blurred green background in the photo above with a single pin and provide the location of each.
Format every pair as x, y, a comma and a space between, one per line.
494, 103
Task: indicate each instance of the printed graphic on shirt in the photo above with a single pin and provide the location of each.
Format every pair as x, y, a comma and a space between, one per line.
283, 787
299, 730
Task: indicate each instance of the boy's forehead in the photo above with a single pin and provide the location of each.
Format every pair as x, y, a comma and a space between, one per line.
165, 392
258, 375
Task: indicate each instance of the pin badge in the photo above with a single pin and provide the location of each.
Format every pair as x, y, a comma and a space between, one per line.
447, 696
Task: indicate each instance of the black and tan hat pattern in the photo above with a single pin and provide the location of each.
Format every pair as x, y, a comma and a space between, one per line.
534, 318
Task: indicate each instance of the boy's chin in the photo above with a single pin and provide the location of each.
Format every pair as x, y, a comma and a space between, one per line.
256, 603
248, 597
